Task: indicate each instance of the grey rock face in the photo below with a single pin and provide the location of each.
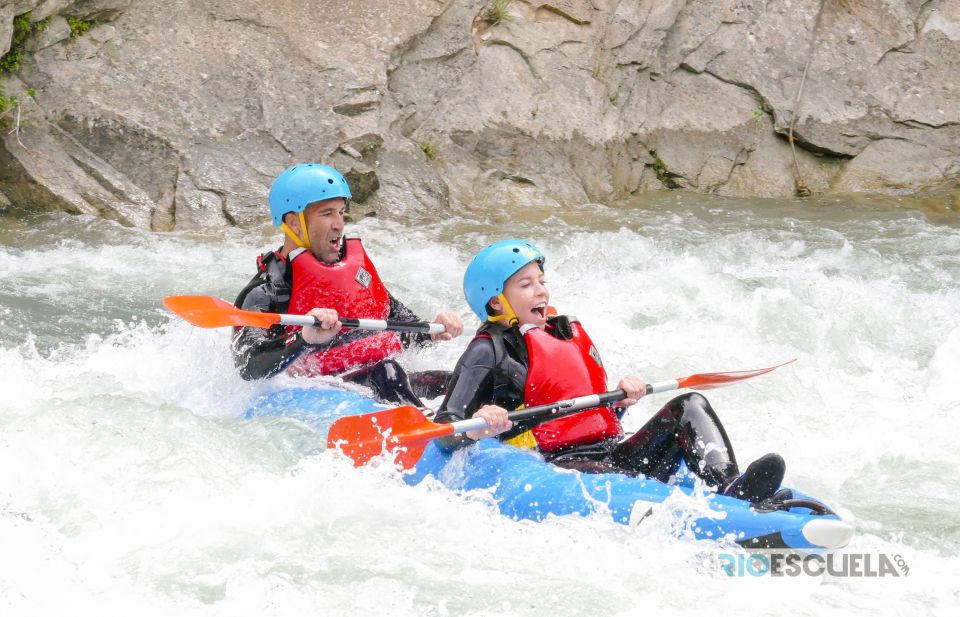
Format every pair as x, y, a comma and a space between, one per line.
178, 115
57, 30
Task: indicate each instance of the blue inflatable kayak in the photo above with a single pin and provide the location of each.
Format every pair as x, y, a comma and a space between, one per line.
316, 407
526, 487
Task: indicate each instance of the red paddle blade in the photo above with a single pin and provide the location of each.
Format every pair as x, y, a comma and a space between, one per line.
207, 312
401, 431
706, 381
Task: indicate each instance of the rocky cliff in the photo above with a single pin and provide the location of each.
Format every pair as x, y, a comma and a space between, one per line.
178, 114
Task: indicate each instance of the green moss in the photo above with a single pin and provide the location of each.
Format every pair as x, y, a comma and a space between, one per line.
663, 174
79, 26
429, 149
22, 31
7, 103
10, 62
761, 109
658, 165
499, 11
10, 103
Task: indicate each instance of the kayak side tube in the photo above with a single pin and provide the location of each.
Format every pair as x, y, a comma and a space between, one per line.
526, 487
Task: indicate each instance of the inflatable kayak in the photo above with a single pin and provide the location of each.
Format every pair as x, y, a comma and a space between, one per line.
316, 407
524, 486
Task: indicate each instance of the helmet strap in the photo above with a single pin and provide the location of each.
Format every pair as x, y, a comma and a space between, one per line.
302, 243
508, 315
303, 229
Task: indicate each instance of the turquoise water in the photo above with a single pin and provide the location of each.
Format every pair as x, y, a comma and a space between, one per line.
131, 484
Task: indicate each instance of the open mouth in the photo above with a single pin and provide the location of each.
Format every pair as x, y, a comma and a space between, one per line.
540, 311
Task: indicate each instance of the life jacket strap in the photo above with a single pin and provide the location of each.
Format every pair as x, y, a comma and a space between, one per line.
295, 253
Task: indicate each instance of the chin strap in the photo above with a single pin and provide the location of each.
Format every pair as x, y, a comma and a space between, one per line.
305, 242
508, 316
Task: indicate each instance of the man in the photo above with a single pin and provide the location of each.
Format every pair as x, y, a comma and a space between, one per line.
319, 272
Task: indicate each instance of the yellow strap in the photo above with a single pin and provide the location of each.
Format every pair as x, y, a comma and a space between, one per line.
306, 233
524, 441
509, 316
305, 242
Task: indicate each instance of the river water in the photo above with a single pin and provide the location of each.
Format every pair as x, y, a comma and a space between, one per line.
131, 485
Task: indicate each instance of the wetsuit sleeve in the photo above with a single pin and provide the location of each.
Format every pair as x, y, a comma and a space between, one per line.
259, 353
471, 387
400, 312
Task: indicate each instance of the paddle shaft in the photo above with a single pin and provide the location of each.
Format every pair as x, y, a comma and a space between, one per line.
405, 431
565, 407
366, 324
559, 408
210, 312
663, 386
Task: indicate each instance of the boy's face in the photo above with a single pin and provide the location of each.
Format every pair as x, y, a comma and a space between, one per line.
527, 294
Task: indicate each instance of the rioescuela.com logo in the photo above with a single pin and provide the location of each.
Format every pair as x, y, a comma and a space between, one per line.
840, 565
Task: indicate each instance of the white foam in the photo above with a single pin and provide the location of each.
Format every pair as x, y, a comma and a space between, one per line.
132, 485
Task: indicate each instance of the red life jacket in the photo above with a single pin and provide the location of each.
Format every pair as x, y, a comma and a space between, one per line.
560, 369
352, 287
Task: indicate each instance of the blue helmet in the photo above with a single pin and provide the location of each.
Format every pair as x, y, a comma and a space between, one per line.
491, 268
301, 185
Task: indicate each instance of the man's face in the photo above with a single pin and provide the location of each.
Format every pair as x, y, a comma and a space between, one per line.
325, 227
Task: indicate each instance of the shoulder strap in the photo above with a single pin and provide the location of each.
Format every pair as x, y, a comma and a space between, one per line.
507, 370
255, 282
294, 253
272, 272
494, 332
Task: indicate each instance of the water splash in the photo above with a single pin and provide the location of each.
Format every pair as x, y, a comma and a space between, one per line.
135, 485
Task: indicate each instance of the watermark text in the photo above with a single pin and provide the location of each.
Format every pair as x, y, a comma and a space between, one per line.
839, 565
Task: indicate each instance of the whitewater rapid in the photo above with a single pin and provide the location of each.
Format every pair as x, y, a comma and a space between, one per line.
132, 485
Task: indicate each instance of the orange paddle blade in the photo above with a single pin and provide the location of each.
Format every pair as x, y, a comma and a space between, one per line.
207, 312
706, 381
402, 431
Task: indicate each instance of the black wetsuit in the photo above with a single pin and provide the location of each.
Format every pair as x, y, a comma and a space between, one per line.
260, 353
494, 371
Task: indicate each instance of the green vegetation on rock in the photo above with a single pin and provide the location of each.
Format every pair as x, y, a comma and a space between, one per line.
663, 174
499, 11
22, 31
429, 149
7, 106
79, 26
